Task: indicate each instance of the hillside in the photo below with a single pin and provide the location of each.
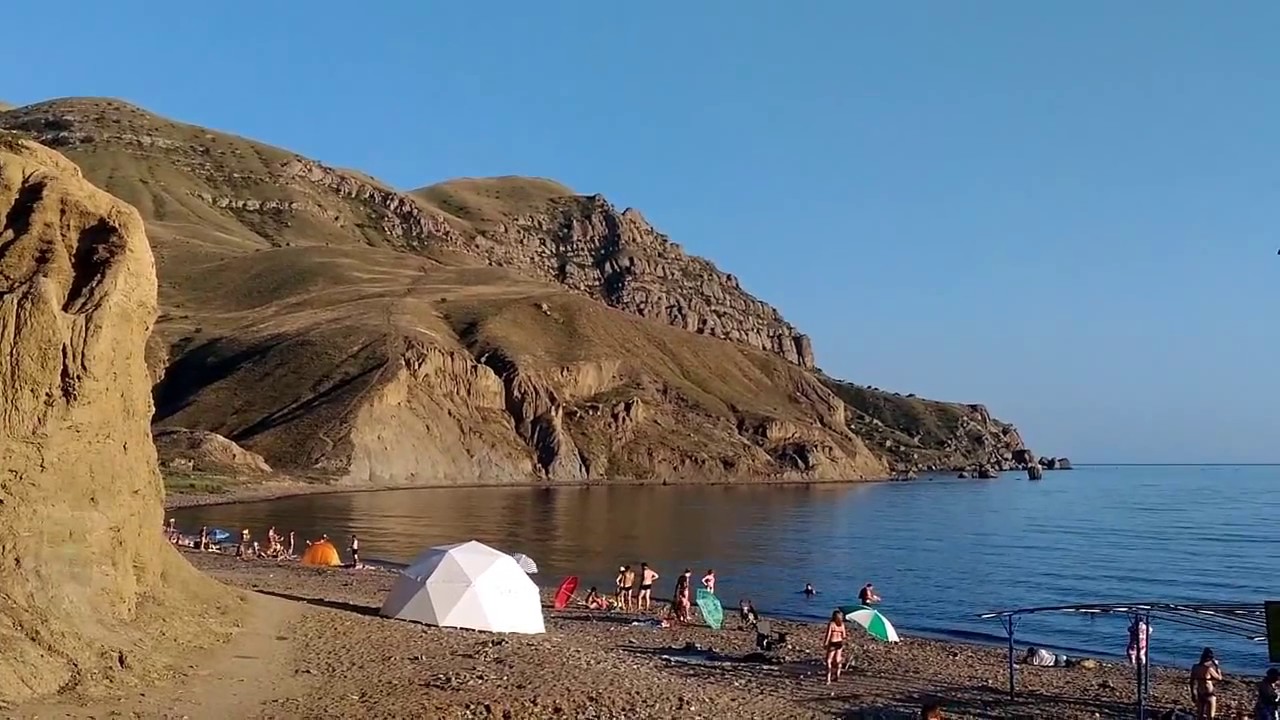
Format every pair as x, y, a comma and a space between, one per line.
479, 330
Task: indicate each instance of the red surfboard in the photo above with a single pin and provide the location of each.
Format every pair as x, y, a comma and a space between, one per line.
566, 591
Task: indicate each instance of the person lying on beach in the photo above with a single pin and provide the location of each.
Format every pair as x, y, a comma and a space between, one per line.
867, 595
833, 644
1203, 675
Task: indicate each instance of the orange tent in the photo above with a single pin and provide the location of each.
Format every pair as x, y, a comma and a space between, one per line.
322, 554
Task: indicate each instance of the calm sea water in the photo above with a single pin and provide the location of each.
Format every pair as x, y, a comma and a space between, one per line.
940, 551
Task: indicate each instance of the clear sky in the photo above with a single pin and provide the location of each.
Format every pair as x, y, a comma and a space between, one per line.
1066, 210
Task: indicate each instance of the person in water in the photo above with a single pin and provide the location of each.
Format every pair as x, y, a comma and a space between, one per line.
1203, 695
867, 595
644, 599
809, 591
709, 581
833, 644
1267, 706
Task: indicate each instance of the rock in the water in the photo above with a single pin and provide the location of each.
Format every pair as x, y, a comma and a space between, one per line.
85, 574
986, 473
1034, 472
963, 475
1064, 464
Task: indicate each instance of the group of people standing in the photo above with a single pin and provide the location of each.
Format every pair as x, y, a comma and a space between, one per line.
633, 591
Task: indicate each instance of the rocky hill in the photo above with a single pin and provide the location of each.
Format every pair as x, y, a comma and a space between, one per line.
480, 330
919, 435
92, 593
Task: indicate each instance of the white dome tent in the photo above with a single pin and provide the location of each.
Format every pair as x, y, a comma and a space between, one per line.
468, 585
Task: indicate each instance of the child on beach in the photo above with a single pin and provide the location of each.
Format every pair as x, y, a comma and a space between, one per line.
833, 644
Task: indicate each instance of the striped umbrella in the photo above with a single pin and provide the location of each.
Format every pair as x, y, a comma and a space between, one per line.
876, 625
526, 563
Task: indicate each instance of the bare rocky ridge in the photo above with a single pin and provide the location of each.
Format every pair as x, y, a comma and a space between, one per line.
491, 330
203, 451
91, 592
919, 435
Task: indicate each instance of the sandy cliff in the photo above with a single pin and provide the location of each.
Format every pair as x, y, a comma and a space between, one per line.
90, 591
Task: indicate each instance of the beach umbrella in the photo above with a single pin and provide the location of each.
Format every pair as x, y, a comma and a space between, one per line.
564, 594
218, 535
525, 562
876, 624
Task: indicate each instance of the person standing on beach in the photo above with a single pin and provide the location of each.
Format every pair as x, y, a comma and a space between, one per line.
204, 538
291, 541
833, 644
709, 581
1203, 695
681, 599
1268, 705
1139, 631
617, 587
354, 547
246, 544
644, 600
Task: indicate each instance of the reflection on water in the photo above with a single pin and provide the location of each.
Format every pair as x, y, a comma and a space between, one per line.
940, 551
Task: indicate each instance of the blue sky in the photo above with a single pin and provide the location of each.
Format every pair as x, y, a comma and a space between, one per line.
1066, 210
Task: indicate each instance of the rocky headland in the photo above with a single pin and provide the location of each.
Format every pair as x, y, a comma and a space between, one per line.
494, 330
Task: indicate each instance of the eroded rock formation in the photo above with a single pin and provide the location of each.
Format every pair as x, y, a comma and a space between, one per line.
88, 587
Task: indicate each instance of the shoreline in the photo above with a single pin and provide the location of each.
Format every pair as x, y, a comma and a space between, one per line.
608, 665
281, 489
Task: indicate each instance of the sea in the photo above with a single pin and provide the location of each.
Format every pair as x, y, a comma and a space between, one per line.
940, 551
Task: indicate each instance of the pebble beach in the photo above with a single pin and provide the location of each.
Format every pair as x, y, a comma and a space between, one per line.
316, 647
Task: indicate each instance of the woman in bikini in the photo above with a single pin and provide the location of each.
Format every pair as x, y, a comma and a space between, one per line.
1203, 675
833, 643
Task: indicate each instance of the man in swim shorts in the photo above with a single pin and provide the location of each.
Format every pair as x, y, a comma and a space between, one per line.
647, 575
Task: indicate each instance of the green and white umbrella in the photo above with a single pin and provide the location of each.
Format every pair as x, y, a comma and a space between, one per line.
876, 625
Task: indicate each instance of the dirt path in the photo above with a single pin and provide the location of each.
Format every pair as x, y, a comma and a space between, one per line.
236, 680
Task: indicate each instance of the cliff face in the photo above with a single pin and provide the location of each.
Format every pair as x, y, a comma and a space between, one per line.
485, 330
90, 586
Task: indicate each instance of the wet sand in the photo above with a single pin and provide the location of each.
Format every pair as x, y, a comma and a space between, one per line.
313, 646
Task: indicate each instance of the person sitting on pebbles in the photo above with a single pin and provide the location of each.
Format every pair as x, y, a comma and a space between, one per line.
596, 601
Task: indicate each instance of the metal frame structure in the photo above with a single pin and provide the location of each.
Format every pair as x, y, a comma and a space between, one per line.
1247, 620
